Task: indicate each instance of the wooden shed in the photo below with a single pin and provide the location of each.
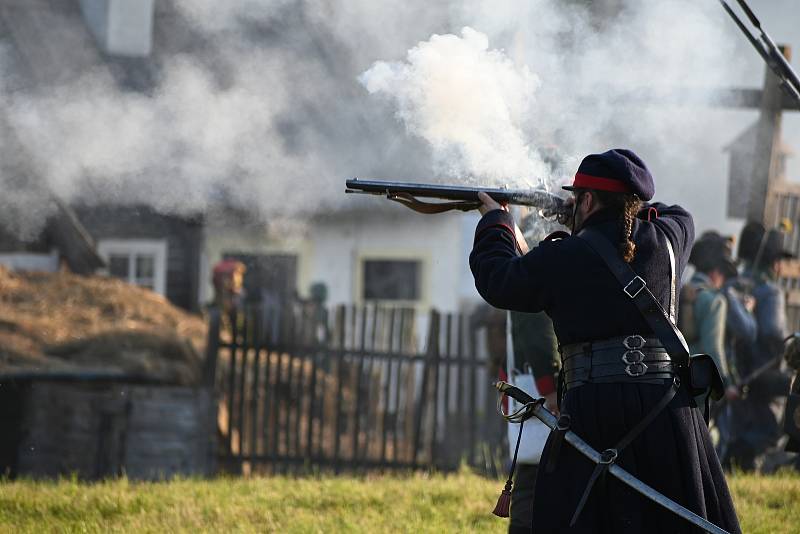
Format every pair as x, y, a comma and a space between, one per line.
104, 424
149, 249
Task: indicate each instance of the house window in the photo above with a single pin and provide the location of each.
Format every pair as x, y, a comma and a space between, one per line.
137, 261
392, 279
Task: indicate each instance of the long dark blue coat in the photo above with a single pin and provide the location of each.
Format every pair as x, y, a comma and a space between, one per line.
569, 282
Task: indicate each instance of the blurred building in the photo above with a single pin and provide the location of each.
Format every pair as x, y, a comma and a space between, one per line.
376, 252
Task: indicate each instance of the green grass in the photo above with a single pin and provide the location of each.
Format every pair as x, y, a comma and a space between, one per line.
414, 503
767, 504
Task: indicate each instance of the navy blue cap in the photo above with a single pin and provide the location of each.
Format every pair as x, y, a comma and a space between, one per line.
618, 171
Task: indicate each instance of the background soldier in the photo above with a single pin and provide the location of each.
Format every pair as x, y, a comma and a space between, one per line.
756, 419
704, 308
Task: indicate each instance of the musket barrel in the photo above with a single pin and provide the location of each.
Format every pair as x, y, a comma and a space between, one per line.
534, 197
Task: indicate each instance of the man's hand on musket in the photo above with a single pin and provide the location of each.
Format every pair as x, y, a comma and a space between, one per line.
489, 204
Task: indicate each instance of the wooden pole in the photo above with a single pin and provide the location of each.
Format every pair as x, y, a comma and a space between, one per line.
766, 151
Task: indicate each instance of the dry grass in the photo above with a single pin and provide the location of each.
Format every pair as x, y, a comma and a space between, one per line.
61, 320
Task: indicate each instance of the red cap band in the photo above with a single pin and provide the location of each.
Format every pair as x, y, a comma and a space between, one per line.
587, 181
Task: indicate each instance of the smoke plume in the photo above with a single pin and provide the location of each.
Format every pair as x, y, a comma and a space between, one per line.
467, 101
267, 106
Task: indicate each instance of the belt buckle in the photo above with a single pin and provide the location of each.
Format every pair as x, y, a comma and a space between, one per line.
633, 292
634, 362
633, 342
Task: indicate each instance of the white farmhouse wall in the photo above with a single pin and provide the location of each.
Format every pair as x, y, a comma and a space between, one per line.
339, 246
334, 246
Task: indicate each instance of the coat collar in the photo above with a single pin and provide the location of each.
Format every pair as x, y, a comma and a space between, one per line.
601, 216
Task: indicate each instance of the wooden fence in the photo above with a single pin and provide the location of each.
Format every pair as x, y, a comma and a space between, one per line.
786, 201
350, 391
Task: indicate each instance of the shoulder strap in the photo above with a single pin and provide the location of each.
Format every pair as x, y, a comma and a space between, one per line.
673, 283
635, 287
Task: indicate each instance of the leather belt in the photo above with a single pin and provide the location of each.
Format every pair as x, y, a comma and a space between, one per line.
623, 359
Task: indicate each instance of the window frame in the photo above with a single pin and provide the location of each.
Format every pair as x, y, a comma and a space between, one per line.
420, 257
157, 248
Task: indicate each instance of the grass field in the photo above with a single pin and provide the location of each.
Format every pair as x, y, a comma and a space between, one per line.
416, 503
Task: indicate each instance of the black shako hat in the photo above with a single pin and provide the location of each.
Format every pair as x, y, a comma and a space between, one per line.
617, 171
757, 245
713, 251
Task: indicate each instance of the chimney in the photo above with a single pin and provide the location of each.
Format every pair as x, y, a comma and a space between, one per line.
121, 27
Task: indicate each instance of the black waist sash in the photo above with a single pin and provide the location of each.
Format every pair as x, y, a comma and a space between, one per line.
623, 359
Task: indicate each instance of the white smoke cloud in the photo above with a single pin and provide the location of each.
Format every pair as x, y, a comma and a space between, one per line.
262, 105
468, 102
189, 144
577, 80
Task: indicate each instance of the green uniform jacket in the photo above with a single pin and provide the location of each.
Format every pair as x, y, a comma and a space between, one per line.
709, 312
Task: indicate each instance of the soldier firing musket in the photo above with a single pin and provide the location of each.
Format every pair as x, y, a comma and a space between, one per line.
628, 382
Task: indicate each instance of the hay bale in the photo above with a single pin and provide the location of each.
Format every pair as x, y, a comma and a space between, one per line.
55, 321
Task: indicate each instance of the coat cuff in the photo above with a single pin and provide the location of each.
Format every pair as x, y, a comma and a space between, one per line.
496, 219
546, 384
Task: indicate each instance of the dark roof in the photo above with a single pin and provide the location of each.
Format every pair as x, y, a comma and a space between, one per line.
73, 241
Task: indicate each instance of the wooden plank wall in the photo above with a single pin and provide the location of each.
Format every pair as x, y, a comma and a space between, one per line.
99, 430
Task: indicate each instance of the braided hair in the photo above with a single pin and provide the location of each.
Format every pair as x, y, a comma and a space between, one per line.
627, 206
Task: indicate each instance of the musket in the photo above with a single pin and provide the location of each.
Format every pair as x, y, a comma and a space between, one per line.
754, 375
460, 197
535, 408
767, 49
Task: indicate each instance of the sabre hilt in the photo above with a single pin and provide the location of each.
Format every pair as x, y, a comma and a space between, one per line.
514, 392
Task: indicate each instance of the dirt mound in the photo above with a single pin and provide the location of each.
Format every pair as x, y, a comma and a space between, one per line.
62, 321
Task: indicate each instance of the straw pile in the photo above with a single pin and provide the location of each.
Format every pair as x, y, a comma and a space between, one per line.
61, 321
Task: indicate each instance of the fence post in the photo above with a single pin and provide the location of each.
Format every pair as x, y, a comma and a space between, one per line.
341, 326
357, 410
448, 355
388, 390
234, 318
243, 383
212, 348
431, 354
434, 399
255, 389
473, 389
